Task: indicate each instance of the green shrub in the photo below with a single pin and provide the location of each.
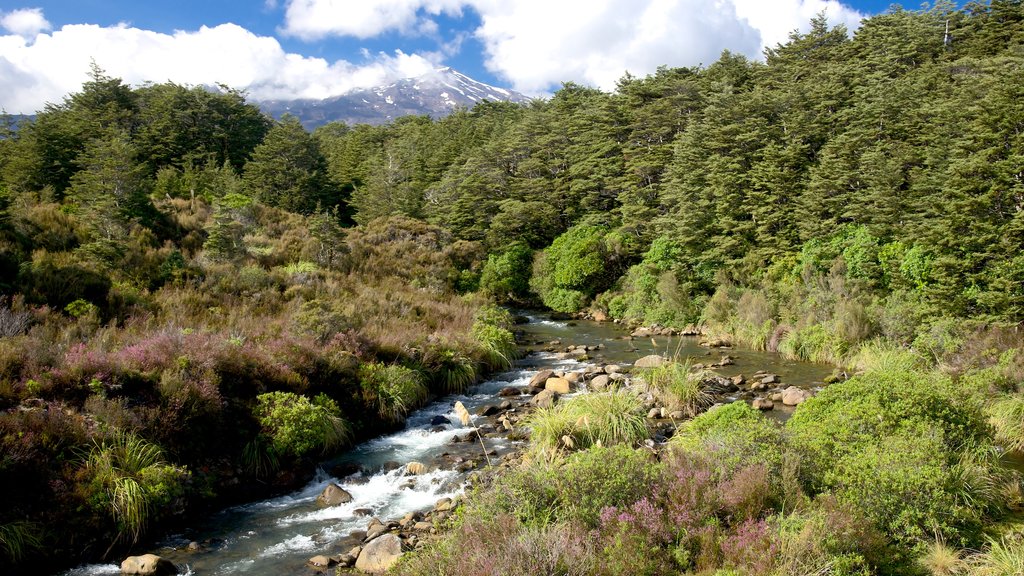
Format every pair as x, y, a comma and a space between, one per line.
572, 270
506, 276
297, 425
395, 390
738, 435
495, 341
885, 357
906, 448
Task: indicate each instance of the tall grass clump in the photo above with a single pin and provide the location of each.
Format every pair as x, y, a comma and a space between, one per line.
395, 390
492, 332
679, 386
132, 482
603, 419
1006, 415
18, 539
882, 356
1004, 557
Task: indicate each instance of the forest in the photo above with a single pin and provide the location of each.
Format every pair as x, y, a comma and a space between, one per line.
175, 266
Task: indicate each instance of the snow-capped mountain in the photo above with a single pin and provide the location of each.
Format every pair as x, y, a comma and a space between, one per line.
437, 93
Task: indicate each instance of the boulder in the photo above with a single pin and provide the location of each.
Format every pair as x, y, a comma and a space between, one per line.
415, 468
726, 361
642, 333
654, 413
540, 378
444, 505
557, 385
794, 396
508, 391
440, 420
148, 565
677, 415
321, 561
572, 377
600, 382
769, 379
374, 529
738, 380
544, 399
599, 316
379, 554
487, 410
764, 404
652, 361
463, 414
333, 495
612, 369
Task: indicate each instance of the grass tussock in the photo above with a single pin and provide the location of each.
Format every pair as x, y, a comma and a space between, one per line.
604, 419
679, 386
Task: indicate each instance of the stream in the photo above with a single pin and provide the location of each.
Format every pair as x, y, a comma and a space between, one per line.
278, 535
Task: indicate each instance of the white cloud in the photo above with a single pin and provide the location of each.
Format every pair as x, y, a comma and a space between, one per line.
535, 44
313, 19
56, 64
26, 22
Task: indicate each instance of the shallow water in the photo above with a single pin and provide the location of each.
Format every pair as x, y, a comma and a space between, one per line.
278, 535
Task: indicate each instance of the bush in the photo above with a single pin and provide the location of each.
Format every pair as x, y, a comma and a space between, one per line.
395, 390
506, 276
570, 271
495, 341
737, 434
297, 425
906, 448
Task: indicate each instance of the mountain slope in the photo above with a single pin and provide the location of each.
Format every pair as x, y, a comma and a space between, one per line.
437, 94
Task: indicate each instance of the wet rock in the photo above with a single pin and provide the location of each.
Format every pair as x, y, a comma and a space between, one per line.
148, 565
677, 415
642, 333
362, 512
763, 404
510, 391
488, 410
505, 406
380, 554
540, 378
322, 561
440, 420
726, 361
600, 382
769, 379
390, 465
462, 413
333, 495
651, 361
193, 546
599, 316
777, 397
544, 399
572, 377
738, 380
374, 529
415, 468
557, 385
612, 369
794, 396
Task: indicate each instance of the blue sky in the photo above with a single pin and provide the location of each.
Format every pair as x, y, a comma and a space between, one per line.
318, 48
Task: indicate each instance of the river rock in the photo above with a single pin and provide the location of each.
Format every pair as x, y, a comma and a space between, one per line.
794, 396
738, 380
726, 361
148, 565
379, 554
558, 385
572, 377
444, 505
374, 529
321, 561
612, 369
333, 495
654, 413
440, 420
487, 410
599, 316
544, 399
763, 404
652, 361
462, 413
540, 378
770, 379
415, 468
600, 382
641, 333
508, 391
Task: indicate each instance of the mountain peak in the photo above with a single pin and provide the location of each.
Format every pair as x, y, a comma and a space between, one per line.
436, 93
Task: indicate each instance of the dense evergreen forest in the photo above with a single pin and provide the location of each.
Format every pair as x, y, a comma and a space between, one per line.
175, 267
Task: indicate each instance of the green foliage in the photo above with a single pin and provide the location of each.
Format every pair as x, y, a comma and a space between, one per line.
604, 419
901, 446
288, 170
679, 386
298, 425
572, 269
129, 479
395, 390
491, 331
738, 434
19, 539
506, 276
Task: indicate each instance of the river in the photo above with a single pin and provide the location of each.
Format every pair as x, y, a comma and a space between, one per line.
278, 535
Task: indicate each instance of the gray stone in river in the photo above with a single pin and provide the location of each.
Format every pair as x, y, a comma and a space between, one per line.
333, 495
